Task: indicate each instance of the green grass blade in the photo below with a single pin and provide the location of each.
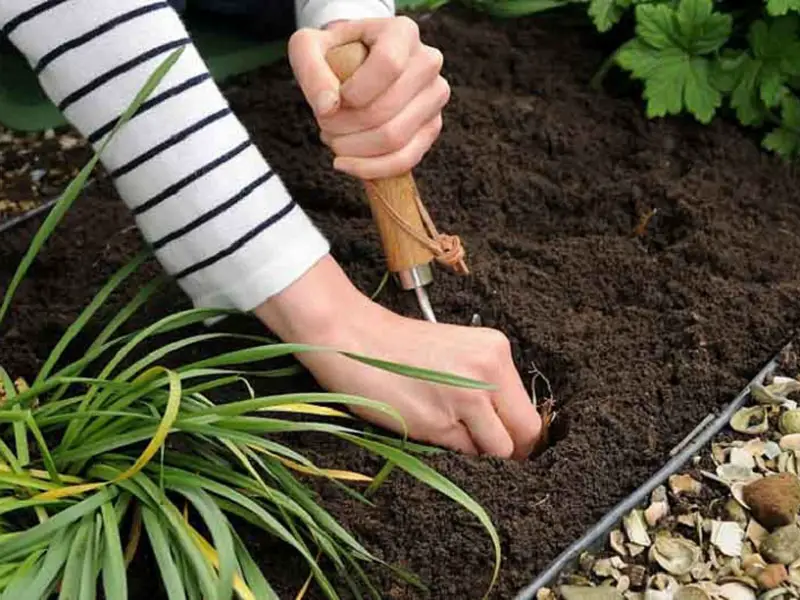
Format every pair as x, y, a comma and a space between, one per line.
189, 580
20, 435
24, 575
127, 311
251, 572
43, 449
419, 470
261, 353
12, 547
267, 521
218, 525
201, 568
170, 575
115, 584
421, 374
78, 324
76, 185
88, 584
179, 319
53, 564
78, 555
380, 478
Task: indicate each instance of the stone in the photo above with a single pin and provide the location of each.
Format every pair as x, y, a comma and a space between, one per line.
772, 576
782, 545
774, 500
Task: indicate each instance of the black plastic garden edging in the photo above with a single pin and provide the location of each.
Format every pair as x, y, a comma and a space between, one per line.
595, 536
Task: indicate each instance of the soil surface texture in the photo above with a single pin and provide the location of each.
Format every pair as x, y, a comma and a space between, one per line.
546, 180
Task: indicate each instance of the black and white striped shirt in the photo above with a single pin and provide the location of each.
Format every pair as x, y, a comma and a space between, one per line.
221, 222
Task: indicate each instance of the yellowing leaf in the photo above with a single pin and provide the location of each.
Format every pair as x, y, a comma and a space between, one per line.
308, 409
39, 474
316, 471
160, 436
136, 534
210, 554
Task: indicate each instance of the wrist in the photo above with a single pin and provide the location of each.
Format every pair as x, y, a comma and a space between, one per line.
316, 308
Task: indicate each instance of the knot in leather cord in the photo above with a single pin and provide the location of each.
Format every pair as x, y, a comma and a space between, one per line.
447, 248
450, 252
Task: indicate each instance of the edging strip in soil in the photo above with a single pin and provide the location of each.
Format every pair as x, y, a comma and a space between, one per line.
612, 518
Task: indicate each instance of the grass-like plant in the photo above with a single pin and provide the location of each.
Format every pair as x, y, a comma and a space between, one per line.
101, 451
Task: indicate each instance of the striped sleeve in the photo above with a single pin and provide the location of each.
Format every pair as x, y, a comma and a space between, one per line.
318, 13
219, 220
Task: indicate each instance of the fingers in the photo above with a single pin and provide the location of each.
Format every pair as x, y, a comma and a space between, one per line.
459, 439
512, 402
423, 71
487, 431
320, 86
395, 163
391, 43
399, 131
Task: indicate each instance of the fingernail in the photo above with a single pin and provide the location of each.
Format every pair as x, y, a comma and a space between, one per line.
326, 102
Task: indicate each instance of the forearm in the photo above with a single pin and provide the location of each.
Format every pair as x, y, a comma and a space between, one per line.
202, 194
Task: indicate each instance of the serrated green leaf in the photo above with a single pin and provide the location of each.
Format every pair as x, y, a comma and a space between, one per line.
655, 26
782, 141
785, 140
782, 7
791, 112
673, 81
606, 13
772, 85
745, 98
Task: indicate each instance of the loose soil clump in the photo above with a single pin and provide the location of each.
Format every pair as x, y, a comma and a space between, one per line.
546, 180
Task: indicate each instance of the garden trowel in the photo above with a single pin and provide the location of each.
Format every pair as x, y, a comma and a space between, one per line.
410, 240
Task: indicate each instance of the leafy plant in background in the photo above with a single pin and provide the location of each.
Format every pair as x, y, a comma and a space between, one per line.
697, 57
114, 444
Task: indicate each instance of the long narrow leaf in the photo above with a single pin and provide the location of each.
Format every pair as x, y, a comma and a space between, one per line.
171, 413
79, 323
419, 470
78, 555
114, 583
76, 185
11, 547
224, 557
170, 576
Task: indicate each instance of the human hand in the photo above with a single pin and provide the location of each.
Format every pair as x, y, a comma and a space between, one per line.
323, 308
381, 121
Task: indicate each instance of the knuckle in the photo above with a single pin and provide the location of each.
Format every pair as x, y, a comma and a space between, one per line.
300, 39
393, 137
391, 63
530, 429
434, 58
497, 344
475, 400
409, 24
436, 129
506, 450
443, 91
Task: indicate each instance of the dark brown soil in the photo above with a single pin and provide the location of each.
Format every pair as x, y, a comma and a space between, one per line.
35, 168
545, 179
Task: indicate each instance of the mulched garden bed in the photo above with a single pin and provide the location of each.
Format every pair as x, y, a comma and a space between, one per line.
546, 180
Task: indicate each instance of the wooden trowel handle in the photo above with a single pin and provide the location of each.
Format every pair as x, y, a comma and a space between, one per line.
403, 252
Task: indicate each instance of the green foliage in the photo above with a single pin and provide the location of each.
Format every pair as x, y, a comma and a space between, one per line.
698, 57
694, 57
671, 55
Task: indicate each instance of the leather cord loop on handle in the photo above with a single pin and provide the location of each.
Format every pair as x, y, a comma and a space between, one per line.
447, 249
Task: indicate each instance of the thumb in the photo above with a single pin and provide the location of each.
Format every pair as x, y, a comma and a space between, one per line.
307, 49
